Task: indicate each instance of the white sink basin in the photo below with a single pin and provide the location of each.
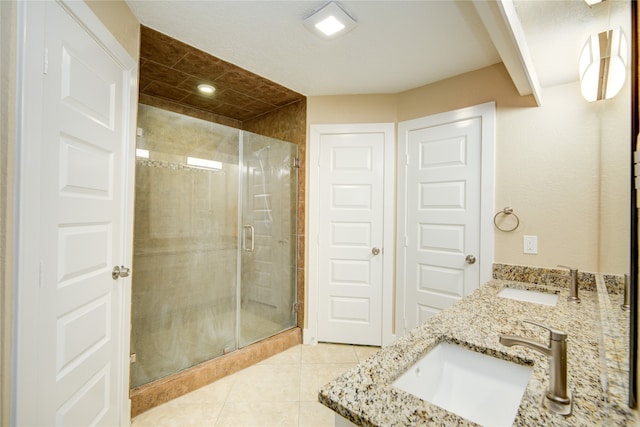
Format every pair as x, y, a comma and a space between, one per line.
529, 296
480, 388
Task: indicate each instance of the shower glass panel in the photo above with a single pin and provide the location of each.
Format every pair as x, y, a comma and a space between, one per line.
268, 241
187, 281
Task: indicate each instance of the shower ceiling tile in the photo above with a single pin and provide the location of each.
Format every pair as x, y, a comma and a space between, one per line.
258, 107
203, 102
155, 71
171, 70
239, 81
199, 64
160, 47
276, 95
163, 90
144, 82
228, 110
232, 97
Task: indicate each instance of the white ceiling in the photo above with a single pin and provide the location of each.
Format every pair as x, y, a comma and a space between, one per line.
397, 45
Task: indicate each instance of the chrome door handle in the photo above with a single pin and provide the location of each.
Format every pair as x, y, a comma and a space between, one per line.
244, 240
375, 251
470, 259
118, 272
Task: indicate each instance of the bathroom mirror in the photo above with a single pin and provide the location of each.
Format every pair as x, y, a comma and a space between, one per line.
617, 239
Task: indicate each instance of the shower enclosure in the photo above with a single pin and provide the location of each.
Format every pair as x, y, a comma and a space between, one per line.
214, 242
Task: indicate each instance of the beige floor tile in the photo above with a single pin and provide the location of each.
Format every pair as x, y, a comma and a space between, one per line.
328, 353
364, 352
266, 383
259, 414
314, 414
180, 414
288, 357
280, 391
314, 376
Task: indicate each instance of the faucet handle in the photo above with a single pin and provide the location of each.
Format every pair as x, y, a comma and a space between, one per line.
556, 335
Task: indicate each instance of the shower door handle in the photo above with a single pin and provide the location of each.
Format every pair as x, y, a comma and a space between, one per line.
244, 240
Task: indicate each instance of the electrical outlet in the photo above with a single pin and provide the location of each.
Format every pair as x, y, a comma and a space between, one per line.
530, 244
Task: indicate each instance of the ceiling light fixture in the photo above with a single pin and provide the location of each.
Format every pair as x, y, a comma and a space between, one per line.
592, 2
603, 65
206, 89
330, 21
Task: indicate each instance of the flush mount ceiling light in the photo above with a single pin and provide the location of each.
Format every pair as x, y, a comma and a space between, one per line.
603, 65
330, 21
592, 2
206, 89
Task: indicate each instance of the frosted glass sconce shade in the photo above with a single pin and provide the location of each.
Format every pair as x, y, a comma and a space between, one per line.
603, 65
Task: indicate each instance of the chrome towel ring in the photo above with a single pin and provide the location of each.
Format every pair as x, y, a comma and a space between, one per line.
506, 211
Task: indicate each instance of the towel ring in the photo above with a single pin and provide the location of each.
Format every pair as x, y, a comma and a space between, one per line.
506, 211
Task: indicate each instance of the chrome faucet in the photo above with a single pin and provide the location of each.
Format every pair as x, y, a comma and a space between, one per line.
557, 398
573, 283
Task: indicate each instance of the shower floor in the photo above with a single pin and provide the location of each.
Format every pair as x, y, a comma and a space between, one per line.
254, 327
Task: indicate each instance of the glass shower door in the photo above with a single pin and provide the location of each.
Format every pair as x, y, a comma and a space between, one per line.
268, 238
184, 288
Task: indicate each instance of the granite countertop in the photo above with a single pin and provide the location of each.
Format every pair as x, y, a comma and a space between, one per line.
364, 395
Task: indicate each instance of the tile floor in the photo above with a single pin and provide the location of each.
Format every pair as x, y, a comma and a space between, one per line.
280, 391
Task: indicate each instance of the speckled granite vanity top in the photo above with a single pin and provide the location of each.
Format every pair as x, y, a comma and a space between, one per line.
364, 395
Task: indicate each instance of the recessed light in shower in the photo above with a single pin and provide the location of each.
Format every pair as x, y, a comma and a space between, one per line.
206, 89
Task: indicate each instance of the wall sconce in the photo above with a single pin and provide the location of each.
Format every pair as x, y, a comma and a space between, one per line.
603, 65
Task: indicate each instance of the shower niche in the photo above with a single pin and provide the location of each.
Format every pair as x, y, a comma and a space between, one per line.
214, 263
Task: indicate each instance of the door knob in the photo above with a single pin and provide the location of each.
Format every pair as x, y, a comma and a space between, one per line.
118, 272
470, 259
375, 251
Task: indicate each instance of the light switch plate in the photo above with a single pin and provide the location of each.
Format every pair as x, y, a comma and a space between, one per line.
530, 244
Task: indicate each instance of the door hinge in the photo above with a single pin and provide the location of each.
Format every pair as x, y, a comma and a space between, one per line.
296, 307
296, 162
45, 69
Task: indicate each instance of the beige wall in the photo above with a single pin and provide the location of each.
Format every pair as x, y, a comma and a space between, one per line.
117, 17
7, 153
562, 166
352, 109
487, 84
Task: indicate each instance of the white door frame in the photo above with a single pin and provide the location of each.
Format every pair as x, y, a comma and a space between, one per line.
310, 333
30, 63
487, 114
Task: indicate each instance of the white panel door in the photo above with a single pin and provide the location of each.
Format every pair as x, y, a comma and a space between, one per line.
81, 318
350, 238
441, 216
